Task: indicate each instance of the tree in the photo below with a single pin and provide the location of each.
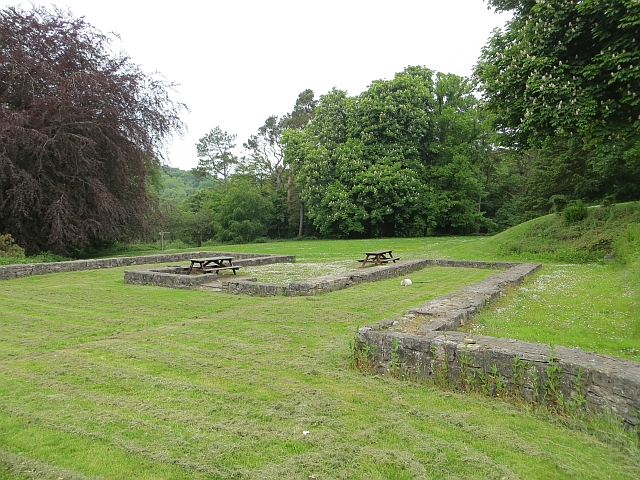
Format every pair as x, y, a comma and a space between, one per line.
81, 128
303, 111
315, 147
265, 150
243, 215
397, 160
302, 114
569, 70
215, 157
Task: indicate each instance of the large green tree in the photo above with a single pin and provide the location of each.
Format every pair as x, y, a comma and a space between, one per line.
399, 159
565, 75
81, 129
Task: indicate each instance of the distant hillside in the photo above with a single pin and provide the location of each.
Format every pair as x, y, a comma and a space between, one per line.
176, 184
606, 231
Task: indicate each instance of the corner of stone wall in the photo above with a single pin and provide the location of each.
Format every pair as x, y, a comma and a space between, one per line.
526, 369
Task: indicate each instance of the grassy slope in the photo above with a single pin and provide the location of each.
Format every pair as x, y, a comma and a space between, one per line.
549, 238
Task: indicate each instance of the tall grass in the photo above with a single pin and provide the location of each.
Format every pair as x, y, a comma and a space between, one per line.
627, 246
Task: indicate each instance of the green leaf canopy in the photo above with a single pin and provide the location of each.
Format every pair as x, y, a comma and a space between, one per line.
570, 69
398, 160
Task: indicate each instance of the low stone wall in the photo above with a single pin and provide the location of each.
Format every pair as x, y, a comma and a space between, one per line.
330, 283
25, 270
175, 276
170, 277
249, 286
527, 369
450, 311
422, 344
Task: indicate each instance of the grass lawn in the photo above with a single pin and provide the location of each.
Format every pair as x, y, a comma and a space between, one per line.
593, 307
99, 379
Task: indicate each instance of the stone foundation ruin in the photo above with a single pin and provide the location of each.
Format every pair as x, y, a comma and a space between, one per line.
422, 343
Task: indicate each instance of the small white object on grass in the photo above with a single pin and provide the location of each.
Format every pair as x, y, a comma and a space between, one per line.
406, 282
305, 432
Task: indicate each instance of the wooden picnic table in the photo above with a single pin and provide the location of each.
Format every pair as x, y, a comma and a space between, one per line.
379, 257
212, 264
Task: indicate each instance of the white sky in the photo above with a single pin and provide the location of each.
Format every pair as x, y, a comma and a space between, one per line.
239, 61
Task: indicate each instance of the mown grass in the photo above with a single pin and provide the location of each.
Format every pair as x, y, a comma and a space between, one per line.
99, 379
593, 307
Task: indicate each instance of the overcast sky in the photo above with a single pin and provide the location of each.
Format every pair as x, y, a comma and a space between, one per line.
239, 61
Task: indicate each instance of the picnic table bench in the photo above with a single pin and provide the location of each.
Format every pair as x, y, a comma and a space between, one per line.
378, 257
212, 264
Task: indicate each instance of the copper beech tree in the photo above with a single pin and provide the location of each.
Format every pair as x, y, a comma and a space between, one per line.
81, 129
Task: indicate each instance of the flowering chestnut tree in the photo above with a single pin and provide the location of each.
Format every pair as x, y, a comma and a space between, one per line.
400, 159
568, 72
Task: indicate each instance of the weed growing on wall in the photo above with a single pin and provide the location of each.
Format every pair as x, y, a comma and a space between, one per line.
363, 358
578, 401
395, 360
466, 377
545, 392
554, 397
519, 369
499, 382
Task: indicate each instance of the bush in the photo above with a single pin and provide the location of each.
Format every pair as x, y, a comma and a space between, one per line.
575, 212
558, 203
609, 201
9, 248
43, 257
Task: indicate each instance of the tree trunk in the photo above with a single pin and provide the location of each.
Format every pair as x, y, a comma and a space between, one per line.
479, 210
301, 219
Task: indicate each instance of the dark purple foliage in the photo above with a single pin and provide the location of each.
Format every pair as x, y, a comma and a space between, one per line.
81, 129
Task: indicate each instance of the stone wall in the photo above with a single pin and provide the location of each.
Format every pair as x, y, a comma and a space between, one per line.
170, 277
175, 276
422, 344
330, 283
24, 270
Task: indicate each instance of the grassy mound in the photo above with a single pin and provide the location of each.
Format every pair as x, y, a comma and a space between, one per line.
552, 238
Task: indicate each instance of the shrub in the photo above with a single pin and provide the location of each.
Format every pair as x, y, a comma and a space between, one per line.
575, 212
558, 203
9, 248
609, 201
